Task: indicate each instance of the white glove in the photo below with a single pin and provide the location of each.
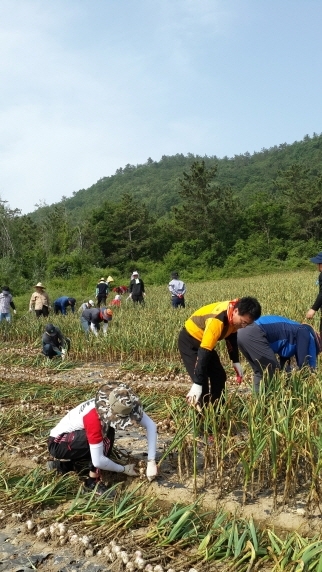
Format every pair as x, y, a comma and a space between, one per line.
94, 329
15, 311
151, 470
194, 394
130, 471
239, 372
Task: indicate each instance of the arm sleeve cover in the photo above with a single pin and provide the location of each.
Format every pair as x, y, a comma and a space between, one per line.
101, 462
151, 430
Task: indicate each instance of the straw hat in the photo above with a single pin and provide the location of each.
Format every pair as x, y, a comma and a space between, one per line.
109, 279
39, 285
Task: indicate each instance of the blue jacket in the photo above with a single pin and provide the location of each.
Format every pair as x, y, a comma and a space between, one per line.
288, 338
62, 304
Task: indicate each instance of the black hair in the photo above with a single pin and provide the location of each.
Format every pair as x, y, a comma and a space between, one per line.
174, 275
6, 288
249, 305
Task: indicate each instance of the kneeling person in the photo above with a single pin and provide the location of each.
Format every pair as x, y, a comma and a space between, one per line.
87, 433
54, 343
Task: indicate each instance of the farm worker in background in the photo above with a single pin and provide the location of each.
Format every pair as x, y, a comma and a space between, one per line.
6, 302
87, 432
116, 301
62, 303
198, 339
136, 289
86, 305
270, 335
318, 301
177, 290
120, 289
54, 343
40, 301
102, 290
93, 317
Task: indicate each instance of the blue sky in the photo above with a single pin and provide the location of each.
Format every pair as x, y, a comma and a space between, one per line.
88, 86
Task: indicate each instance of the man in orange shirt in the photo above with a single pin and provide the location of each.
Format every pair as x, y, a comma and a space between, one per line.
198, 339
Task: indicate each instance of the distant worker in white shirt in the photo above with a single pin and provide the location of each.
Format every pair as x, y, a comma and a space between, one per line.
177, 290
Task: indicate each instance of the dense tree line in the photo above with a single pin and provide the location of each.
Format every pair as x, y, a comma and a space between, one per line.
209, 223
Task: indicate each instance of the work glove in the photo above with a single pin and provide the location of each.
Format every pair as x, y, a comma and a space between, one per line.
15, 311
130, 471
151, 470
63, 354
239, 372
194, 394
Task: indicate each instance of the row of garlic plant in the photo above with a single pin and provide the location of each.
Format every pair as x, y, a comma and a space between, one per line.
151, 332
89, 523
271, 441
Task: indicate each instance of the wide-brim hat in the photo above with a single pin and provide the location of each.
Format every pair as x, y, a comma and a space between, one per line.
317, 259
118, 408
39, 285
91, 302
109, 279
102, 279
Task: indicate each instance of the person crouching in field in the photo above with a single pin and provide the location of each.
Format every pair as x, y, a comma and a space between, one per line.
92, 318
86, 305
87, 433
198, 339
54, 343
63, 303
270, 335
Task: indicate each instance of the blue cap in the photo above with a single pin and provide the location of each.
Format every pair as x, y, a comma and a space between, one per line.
317, 259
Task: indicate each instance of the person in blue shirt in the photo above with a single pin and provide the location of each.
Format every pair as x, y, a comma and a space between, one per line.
317, 305
62, 303
271, 335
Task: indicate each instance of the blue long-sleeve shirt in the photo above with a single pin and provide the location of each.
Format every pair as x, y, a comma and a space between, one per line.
288, 338
63, 302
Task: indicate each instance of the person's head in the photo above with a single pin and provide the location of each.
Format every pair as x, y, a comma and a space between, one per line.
106, 314
5, 289
317, 260
117, 297
109, 279
245, 311
50, 329
102, 279
39, 287
90, 303
135, 274
174, 275
118, 408
71, 301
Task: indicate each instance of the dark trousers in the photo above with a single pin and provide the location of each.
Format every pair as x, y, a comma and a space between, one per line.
177, 302
43, 312
138, 298
101, 299
254, 345
213, 388
70, 448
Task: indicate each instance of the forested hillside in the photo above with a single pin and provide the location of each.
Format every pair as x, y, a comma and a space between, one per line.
202, 216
